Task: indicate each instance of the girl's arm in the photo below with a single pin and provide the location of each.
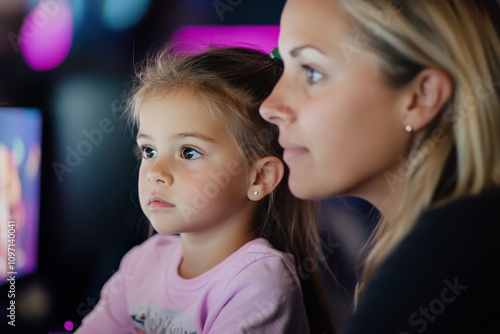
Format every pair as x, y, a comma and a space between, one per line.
110, 315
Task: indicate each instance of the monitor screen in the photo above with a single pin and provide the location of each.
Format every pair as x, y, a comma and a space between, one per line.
20, 161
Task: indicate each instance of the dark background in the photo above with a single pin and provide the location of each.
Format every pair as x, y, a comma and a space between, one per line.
89, 217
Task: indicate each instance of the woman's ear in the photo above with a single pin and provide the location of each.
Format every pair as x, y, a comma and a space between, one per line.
429, 91
266, 174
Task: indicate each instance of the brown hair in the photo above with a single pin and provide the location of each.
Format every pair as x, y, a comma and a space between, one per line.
232, 82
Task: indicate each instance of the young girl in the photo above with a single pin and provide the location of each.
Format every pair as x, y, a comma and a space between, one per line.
210, 173
398, 103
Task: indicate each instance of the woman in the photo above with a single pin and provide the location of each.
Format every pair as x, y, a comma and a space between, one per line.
397, 102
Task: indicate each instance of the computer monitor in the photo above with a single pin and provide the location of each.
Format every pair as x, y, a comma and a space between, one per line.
20, 163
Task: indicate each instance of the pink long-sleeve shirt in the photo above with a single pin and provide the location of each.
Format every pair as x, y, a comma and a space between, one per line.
254, 290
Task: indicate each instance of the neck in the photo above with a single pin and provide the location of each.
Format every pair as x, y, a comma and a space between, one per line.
384, 193
201, 251
388, 202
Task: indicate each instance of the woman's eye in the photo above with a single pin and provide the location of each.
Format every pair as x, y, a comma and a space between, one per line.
189, 153
148, 153
313, 76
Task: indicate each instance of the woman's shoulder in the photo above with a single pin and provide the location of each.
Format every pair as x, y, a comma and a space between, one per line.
445, 260
482, 208
467, 227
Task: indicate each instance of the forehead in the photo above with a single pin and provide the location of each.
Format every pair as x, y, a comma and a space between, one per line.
175, 109
181, 112
321, 23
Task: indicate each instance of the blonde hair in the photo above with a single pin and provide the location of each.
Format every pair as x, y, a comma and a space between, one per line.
459, 153
232, 82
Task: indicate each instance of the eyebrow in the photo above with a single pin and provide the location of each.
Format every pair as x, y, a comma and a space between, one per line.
295, 51
182, 135
194, 135
142, 135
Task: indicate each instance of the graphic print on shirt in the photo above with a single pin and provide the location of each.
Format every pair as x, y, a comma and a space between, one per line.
155, 319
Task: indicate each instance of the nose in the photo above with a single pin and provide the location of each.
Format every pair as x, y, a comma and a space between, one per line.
159, 174
276, 109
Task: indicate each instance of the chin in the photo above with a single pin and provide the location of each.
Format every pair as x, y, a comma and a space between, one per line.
164, 230
162, 226
306, 190
303, 189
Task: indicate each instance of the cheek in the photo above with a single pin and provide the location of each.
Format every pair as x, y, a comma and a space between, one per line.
220, 189
333, 127
142, 182
221, 192
361, 121
352, 138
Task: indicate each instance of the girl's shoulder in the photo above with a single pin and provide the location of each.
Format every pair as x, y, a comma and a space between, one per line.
259, 261
261, 250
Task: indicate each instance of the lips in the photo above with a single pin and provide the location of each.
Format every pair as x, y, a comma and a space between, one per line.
292, 151
156, 202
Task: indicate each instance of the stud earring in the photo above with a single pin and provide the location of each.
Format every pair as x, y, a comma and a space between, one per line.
408, 128
255, 192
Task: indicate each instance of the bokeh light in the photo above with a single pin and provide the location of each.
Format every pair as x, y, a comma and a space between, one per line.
79, 11
46, 35
123, 14
68, 325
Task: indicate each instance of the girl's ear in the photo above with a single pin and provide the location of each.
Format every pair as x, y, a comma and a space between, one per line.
266, 174
429, 91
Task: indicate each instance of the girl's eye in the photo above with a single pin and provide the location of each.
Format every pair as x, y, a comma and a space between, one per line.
189, 153
149, 153
145, 152
313, 76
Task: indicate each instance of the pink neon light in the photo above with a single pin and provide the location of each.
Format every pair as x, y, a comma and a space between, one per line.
46, 35
68, 325
197, 38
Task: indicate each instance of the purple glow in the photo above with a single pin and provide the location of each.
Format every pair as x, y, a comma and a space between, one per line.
68, 325
46, 35
197, 38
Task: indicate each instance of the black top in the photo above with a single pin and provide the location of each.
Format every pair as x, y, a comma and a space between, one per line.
440, 279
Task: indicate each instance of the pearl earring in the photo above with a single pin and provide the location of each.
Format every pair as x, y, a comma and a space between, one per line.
408, 128
255, 192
